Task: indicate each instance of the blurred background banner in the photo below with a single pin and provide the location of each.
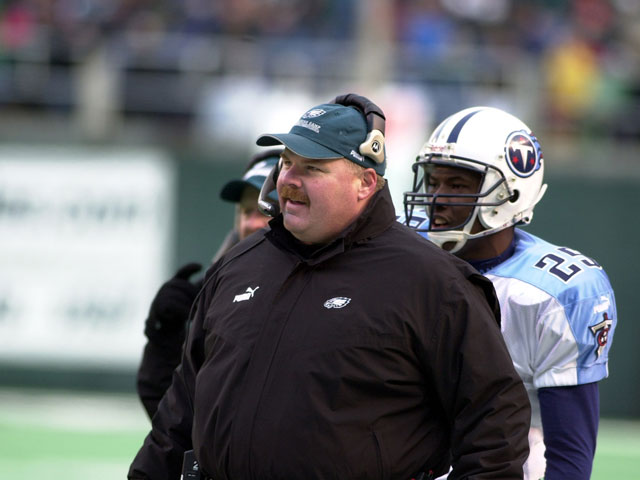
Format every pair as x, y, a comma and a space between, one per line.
85, 236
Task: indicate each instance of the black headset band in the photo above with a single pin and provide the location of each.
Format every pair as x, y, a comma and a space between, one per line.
373, 113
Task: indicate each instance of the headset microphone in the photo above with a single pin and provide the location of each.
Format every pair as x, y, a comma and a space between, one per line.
267, 206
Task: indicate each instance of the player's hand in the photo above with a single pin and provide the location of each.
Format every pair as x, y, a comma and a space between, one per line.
170, 308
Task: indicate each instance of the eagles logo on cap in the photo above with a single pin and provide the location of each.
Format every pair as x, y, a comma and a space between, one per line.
523, 153
315, 112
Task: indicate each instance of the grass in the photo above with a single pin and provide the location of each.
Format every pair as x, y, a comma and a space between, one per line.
75, 437
617, 451
72, 437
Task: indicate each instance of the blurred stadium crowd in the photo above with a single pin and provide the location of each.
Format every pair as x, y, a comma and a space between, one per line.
577, 60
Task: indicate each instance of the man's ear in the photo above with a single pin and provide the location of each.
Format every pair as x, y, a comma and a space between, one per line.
368, 183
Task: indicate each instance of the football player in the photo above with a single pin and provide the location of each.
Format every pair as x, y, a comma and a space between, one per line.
476, 180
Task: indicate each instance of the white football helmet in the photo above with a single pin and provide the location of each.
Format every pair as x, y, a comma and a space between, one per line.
506, 154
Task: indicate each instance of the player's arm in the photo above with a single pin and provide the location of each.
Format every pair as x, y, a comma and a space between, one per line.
570, 425
161, 455
571, 356
165, 332
155, 372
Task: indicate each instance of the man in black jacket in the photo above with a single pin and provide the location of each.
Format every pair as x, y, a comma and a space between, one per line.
169, 312
339, 344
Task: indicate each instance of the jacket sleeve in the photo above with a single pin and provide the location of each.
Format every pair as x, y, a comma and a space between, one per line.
481, 393
165, 329
160, 456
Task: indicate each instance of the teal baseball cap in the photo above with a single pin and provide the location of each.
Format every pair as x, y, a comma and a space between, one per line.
327, 131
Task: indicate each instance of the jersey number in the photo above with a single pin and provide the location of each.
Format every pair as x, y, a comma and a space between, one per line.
573, 265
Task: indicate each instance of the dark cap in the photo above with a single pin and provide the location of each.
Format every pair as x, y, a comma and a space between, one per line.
327, 131
254, 176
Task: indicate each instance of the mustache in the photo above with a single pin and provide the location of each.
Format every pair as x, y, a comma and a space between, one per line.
294, 194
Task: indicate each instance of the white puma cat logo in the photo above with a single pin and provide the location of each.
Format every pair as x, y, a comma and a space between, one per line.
245, 296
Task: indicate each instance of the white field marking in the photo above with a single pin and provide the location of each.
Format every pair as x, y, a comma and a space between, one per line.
63, 469
73, 411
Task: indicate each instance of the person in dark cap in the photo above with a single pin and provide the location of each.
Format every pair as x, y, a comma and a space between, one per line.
338, 343
165, 326
244, 193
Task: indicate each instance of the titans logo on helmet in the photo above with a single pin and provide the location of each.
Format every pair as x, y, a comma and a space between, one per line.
523, 153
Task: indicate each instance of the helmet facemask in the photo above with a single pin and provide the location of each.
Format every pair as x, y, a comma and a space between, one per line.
492, 191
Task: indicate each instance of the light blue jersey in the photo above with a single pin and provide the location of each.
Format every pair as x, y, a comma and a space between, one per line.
558, 319
558, 311
567, 304
565, 301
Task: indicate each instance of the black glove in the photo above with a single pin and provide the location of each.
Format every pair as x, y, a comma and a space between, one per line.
170, 308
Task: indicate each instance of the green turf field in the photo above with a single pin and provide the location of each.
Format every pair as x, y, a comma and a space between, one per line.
68, 436
93, 437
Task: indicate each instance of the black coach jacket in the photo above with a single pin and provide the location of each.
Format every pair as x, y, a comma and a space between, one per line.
375, 357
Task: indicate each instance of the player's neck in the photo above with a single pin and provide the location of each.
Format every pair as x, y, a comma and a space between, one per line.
486, 248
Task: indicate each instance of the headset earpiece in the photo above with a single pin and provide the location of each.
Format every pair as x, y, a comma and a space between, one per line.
373, 145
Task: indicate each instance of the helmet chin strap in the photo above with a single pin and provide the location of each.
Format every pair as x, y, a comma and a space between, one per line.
457, 237
460, 237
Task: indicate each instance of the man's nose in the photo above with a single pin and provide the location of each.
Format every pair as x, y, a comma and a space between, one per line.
438, 199
290, 175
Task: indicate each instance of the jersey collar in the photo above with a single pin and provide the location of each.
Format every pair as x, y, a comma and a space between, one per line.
483, 266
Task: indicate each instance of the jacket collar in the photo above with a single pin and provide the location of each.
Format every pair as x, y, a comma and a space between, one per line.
378, 215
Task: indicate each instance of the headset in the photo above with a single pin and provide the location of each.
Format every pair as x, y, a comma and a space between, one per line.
372, 147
